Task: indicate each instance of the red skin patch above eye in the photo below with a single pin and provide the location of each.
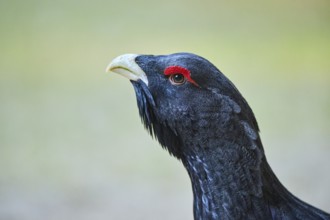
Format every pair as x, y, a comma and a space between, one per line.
179, 70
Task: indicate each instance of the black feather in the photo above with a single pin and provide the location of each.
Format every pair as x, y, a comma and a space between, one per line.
161, 131
145, 103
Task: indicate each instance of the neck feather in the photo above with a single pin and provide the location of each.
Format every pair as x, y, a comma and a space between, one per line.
226, 183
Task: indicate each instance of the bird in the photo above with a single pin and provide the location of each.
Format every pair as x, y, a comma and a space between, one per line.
198, 115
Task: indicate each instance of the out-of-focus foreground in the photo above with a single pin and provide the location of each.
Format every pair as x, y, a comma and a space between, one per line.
71, 142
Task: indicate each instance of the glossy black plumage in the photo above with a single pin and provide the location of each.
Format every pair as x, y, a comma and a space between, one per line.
213, 131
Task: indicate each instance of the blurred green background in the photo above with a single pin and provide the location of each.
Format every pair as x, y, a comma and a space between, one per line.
71, 142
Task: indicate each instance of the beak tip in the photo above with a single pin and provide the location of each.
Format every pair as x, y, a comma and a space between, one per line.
108, 68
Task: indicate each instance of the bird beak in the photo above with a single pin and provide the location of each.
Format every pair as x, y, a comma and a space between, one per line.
126, 66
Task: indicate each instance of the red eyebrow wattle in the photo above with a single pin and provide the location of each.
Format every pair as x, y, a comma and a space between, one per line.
179, 70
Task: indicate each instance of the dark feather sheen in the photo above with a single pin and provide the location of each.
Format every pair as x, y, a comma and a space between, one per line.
145, 103
159, 130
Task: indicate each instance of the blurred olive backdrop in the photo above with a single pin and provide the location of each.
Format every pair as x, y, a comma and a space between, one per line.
71, 142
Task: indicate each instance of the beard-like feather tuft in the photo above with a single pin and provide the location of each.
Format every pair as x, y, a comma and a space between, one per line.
160, 131
145, 104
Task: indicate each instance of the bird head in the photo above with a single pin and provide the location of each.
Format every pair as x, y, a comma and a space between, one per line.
184, 100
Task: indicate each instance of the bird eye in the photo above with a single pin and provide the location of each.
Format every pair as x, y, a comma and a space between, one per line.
177, 79
179, 75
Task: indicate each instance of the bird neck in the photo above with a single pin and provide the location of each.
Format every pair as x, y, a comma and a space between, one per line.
226, 185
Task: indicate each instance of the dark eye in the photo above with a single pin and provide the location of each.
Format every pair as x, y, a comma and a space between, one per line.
177, 79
